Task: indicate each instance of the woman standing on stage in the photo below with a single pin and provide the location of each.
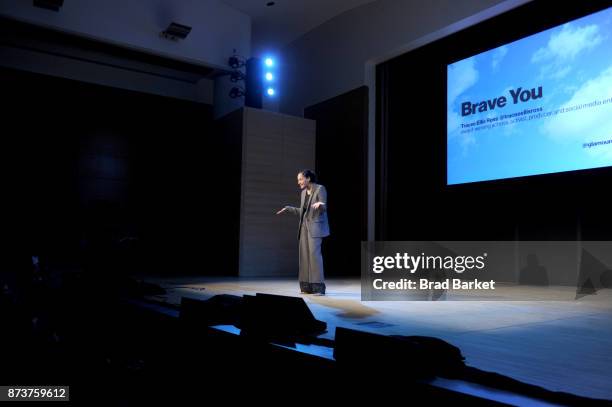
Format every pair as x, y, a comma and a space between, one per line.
313, 227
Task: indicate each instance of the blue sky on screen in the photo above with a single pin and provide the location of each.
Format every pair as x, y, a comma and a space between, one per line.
573, 65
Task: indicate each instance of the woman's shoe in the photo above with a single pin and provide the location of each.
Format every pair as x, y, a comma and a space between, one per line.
318, 288
305, 288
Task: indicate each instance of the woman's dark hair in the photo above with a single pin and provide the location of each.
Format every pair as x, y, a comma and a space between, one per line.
310, 174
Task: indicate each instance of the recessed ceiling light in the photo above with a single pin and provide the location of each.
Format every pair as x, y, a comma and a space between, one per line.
176, 31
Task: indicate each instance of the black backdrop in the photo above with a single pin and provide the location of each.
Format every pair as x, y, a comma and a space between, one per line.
85, 166
413, 201
341, 146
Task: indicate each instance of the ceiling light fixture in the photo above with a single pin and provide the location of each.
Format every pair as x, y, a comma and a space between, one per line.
176, 31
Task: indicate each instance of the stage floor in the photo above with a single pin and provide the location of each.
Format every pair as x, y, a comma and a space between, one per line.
559, 345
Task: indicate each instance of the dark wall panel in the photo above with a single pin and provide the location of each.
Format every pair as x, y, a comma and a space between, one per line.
97, 176
341, 145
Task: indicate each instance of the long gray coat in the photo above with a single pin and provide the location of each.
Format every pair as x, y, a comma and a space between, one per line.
316, 219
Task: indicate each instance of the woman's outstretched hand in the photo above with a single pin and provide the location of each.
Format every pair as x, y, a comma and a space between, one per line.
316, 205
281, 211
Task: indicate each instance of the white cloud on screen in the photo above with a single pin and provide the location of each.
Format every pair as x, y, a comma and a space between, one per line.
587, 124
563, 47
498, 56
568, 43
462, 75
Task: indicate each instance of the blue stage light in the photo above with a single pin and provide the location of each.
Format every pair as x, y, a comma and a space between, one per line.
269, 76
269, 62
270, 92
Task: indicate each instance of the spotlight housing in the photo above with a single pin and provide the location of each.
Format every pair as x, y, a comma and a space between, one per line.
235, 62
236, 92
237, 76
